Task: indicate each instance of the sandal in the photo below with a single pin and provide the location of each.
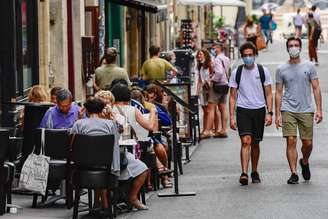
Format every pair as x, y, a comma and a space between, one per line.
138, 205
164, 171
205, 136
220, 135
167, 184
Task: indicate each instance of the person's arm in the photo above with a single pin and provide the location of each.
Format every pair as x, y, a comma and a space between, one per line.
147, 124
232, 106
278, 96
96, 82
245, 32
318, 100
269, 101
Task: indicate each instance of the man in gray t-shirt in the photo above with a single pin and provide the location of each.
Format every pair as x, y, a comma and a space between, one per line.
294, 108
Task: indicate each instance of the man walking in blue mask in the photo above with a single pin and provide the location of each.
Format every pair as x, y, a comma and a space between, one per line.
294, 107
250, 91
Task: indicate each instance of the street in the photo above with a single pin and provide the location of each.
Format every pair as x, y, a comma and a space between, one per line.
214, 171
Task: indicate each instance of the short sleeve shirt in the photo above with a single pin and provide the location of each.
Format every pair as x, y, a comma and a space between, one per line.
296, 79
250, 92
155, 68
106, 74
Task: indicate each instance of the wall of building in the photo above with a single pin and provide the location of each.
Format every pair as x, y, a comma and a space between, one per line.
58, 42
78, 32
44, 42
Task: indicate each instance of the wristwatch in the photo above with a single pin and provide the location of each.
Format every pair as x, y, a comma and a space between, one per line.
270, 113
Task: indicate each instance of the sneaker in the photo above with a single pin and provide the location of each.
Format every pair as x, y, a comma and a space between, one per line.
293, 179
305, 170
243, 179
255, 177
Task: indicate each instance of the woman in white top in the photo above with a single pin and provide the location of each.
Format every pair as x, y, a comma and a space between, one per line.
203, 69
251, 30
135, 118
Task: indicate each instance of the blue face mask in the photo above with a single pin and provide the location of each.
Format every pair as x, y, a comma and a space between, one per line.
213, 52
249, 60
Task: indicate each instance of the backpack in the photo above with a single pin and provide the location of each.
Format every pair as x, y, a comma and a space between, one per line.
262, 77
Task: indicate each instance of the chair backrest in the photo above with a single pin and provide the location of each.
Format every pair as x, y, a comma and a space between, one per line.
93, 150
4, 141
33, 115
56, 143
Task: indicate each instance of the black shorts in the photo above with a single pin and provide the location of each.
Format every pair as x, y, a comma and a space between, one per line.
251, 122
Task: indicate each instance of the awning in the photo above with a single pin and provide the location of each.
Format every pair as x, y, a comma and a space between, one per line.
149, 6
236, 3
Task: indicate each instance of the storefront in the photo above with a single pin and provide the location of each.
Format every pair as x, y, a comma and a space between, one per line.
138, 25
18, 52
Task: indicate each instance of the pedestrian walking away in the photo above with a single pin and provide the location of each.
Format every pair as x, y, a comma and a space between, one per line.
250, 90
294, 109
251, 31
298, 23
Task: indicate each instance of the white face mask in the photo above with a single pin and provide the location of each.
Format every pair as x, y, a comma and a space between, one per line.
294, 52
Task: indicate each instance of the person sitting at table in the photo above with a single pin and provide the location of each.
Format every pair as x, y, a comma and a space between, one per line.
64, 114
135, 118
95, 125
53, 94
37, 94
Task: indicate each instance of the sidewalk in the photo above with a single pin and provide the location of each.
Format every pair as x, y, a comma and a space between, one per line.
214, 171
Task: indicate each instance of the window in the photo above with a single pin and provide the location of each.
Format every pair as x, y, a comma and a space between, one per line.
27, 46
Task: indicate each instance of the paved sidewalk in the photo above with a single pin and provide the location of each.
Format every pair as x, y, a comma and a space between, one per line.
214, 171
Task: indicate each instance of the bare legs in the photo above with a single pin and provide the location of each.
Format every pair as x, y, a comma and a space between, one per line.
136, 186
247, 151
292, 155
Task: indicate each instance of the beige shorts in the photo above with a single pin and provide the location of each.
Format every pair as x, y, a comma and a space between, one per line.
302, 121
214, 97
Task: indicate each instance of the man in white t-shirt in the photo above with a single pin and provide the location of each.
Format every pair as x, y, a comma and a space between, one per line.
250, 90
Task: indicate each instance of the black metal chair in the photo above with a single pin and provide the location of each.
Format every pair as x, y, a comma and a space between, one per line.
7, 171
57, 147
92, 157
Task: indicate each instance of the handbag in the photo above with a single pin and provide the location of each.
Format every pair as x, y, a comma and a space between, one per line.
221, 88
34, 174
260, 42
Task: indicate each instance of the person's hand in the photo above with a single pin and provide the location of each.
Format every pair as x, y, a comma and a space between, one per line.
233, 124
318, 117
82, 111
278, 121
268, 120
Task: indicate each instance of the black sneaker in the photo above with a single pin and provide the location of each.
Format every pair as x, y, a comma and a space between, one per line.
243, 179
305, 170
293, 179
255, 177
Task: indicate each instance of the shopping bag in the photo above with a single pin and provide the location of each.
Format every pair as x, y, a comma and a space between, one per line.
34, 174
260, 43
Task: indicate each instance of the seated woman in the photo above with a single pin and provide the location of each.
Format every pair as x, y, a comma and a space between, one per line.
135, 118
95, 125
159, 148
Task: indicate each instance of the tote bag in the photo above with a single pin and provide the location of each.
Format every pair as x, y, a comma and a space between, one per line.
34, 174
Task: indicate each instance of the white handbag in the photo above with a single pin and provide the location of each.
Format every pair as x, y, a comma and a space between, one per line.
34, 174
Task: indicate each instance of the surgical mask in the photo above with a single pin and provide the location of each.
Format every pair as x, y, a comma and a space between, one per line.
294, 52
249, 60
173, 61
213, 52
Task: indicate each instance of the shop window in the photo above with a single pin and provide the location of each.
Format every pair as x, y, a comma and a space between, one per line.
27, 46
